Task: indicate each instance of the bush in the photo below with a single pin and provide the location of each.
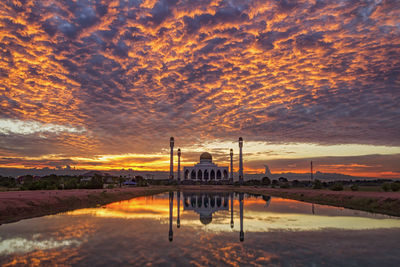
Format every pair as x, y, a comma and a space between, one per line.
317, 184
252, 182
296, 183
7, 182
386, 187
266, 181
354, 187
110, 186
337, 187
395, 186
71, 184
284, 185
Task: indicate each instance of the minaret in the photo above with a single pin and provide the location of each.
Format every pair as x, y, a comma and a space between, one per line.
240, 160
178, 221
312, 175
241, 217
171, 164
171, 211
232, 210
231, 165
179, 165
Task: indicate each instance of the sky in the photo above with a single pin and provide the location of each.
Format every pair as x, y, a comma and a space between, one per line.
104, 84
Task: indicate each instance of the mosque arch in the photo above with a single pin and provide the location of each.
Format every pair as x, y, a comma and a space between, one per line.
186, 174
219, 175
193, 202
199, 175
225, 174
219, 202
193, 175
205, 174
199, 201
212, 202
212, 175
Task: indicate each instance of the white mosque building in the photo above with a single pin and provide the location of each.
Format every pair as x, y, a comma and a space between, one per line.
205, 170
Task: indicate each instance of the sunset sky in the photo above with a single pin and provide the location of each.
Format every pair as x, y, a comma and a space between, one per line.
104, 84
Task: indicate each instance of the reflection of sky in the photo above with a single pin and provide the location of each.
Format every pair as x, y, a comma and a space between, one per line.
136, 232
282, 214
21, 245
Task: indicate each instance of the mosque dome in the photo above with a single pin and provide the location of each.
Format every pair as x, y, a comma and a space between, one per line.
205, 219
205, 157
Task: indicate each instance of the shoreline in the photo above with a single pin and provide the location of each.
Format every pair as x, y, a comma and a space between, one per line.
19, 205
387, 203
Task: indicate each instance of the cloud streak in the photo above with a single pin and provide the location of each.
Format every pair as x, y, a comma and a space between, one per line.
133, 73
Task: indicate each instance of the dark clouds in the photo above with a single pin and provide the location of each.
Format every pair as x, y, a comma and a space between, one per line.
135, 72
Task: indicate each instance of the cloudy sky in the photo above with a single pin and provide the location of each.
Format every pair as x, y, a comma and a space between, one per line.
104, 84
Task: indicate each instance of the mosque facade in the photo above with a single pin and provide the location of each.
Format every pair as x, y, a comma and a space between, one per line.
205, 170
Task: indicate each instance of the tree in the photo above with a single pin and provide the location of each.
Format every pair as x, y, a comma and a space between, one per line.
338, 186
386, 187
317, 184
354, 187
265, 181
395, 186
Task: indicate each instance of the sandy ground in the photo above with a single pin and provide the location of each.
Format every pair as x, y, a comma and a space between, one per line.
17, 205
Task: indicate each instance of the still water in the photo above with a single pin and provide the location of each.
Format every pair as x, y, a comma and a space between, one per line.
216, 229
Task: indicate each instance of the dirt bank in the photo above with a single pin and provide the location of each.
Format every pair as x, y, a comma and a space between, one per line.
17, 205
378, 202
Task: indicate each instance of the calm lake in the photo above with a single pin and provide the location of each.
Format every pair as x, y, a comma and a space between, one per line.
216, 229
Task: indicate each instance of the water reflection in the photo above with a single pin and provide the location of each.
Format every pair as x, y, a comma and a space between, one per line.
206, 229
206, 204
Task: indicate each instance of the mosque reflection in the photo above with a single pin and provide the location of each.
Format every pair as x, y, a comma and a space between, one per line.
206, 204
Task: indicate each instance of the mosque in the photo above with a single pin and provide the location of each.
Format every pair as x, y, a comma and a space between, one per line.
206, 170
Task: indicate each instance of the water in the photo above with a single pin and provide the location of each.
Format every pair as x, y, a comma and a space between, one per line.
203, 229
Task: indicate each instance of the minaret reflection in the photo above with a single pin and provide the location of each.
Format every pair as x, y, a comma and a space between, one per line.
241, 217
178, 220
171, 210
207, 204
232, 210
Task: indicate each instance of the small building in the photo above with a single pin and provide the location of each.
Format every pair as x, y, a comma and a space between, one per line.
205, 170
